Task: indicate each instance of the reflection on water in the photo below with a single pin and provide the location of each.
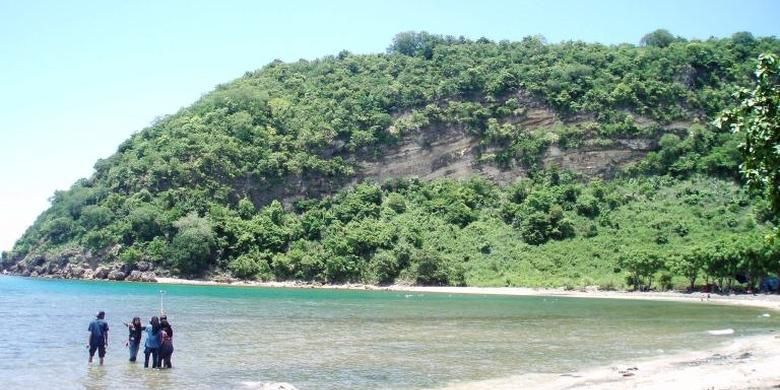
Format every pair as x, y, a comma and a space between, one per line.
227, 337
95, 378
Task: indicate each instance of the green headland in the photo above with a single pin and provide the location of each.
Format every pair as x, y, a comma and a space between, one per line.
444, 161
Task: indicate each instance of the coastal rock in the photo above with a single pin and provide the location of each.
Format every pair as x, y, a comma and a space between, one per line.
87, 274
144, 266
116, 275
34, 274
66, 271
38, 260
134, 276
124, 268
71, 271
149, 276
138, 276
53, 268
66, 256
77, 272
100, 273
26, 273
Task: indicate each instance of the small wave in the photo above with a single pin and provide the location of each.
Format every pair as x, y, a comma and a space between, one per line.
720, 332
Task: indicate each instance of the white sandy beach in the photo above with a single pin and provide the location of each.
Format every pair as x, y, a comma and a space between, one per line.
745, 363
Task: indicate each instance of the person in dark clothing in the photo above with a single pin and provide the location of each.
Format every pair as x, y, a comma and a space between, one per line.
166, 350
152, 345
166, 326
134, 338
98, 337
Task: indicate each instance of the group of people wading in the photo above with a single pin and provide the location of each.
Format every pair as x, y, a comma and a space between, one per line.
158, 344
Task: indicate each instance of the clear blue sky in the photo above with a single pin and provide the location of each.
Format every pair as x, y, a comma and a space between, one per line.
78, 77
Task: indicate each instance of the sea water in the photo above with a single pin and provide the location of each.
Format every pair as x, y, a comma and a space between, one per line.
238, 337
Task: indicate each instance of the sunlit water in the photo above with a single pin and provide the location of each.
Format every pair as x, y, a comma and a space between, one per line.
231, 337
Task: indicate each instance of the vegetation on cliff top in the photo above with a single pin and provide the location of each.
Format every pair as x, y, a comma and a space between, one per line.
199, 191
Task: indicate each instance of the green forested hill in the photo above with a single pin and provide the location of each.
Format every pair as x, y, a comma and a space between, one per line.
265, 177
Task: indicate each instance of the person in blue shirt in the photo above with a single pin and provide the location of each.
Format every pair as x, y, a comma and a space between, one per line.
153, 340
98, 337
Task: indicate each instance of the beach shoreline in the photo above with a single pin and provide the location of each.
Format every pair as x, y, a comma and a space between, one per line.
743, 363
766, 301
734, 362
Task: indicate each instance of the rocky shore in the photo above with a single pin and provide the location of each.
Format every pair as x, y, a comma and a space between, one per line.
77, 265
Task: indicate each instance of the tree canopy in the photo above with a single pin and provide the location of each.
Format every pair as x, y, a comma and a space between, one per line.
658, 38
757, 116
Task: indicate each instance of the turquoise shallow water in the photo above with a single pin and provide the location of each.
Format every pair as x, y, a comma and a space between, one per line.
231, 337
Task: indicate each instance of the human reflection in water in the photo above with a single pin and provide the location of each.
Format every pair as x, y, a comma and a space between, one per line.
96, 378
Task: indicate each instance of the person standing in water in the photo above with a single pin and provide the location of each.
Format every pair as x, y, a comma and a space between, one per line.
166, 350
134, 338
166, 344
165, 325
98, 337
152, 345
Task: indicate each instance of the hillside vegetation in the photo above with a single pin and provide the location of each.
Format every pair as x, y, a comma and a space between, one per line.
265, 177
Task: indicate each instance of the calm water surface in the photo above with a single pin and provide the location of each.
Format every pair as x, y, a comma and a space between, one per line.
232, 337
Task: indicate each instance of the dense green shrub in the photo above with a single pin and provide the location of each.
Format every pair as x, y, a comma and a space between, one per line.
250, 265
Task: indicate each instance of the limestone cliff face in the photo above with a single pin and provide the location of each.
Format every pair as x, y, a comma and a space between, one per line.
440, 151
450, 152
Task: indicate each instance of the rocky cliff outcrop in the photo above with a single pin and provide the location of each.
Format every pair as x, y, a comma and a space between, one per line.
440, 151
448, 151
71, 264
